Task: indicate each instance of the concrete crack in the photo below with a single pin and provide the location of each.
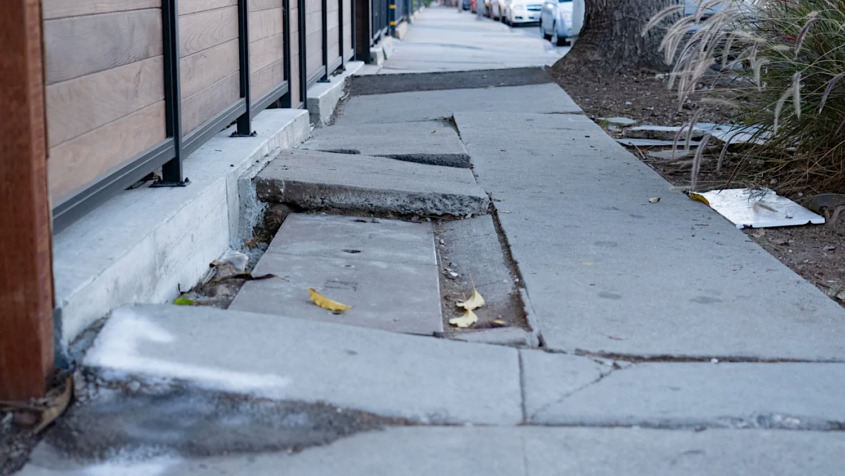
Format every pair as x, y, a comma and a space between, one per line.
603, 374
522, 388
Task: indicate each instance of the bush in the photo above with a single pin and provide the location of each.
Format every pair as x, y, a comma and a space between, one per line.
792, 78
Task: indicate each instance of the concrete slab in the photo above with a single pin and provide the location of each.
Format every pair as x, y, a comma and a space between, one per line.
430, 105
388, 374
323, 97
425, 142
666, 133
642, 452
319, 180
349, 237
566, 390
419, 82
386, 271
143, 244
609, 272
436, 451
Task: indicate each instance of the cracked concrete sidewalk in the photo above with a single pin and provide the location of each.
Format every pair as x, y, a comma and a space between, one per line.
671, 344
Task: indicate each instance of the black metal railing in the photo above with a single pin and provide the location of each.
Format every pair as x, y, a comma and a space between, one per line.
170, 153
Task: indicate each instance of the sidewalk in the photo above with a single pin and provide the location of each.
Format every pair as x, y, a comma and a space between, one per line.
441, 39
668, 342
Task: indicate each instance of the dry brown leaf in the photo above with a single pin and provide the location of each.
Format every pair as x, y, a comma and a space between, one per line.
468, 319
56, 407
327, 303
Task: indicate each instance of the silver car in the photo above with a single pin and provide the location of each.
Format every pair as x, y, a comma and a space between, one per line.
561, 20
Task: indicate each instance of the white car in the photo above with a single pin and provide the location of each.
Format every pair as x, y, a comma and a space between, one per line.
522, 11
561, 20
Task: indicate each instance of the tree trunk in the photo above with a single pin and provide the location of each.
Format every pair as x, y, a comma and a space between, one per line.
612, 39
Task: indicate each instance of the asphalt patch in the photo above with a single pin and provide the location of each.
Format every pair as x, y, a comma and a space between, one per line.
196, 423
479, 79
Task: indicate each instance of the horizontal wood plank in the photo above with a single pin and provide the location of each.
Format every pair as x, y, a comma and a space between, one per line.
263, 81
314, 62
200, 31
265, 23
211, 101
264, 52
257, 5
53, 9
294, 20
312, 6
77, 46
201, 70
314, 22
77, 163
83, 104
187, 7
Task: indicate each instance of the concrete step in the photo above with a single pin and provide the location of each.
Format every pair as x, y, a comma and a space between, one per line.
432, 142
496, 451
385, 269
320, 180
421, 379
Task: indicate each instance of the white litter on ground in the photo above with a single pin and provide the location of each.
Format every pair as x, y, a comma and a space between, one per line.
758, 208
235, 258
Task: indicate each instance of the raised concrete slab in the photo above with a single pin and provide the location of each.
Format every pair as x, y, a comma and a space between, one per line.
387, 272
318, 180
566, 390
545, 98
143, 244
418, 82
349, 237
535, 451
609, 272
385, 373
425, 142
323, 97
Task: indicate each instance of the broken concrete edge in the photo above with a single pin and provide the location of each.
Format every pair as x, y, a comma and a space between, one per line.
315, 197
144, 245
323, 98
509, 336
531, 317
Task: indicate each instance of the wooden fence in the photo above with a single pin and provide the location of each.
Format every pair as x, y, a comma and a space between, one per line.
135, 85
131, 87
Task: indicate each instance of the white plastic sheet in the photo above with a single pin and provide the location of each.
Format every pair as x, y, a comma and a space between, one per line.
759, 208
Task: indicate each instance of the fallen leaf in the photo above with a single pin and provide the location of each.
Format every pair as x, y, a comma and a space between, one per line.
758, 233
464, 321
654, 200
699, 198
326, 303
56, 407
184, 302
474, 302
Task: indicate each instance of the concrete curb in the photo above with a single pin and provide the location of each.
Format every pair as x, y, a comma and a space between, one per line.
324, 97
144, 245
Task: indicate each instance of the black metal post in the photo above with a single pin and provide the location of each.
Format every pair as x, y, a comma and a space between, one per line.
244, 122
303, 64
340, 35
286, 100
325, 39
354, 30
172, 174
391, 17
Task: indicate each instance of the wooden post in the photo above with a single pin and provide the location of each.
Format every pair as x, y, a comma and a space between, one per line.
26, 278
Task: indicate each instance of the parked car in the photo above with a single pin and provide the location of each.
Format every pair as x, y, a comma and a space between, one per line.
523, 11
473, 8
561, 20
466, 4
496, 9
